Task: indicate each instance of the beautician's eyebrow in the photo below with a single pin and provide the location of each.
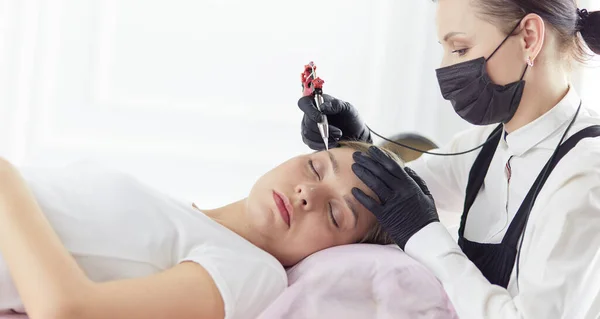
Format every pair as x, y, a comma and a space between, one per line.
452, 34
352, 206
334, 163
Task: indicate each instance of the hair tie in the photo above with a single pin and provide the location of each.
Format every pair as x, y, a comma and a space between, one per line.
581, 20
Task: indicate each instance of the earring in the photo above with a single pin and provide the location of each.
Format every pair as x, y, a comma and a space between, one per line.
529, 62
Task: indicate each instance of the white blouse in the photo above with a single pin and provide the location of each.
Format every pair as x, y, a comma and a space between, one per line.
559, 270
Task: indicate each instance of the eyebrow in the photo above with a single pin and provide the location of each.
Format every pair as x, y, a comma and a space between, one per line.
452, 34
352, 206
347, 199
334, 163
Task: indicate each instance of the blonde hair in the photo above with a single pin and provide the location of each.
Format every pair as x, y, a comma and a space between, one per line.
375, 235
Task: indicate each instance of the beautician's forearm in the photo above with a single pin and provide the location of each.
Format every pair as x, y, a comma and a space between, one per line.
470, 293
45, 274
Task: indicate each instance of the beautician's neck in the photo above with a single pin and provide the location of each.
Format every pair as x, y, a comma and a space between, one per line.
544, 88
234, 217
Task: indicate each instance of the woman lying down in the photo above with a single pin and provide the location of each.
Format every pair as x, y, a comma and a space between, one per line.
85, 242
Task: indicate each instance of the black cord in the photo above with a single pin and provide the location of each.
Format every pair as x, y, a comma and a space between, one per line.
538, 188
426, 152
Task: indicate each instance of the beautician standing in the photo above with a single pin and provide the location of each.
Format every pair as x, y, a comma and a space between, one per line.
505, 68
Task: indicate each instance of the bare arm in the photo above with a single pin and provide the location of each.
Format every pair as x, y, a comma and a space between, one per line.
52, 285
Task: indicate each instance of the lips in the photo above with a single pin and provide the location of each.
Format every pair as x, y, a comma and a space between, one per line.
283, 206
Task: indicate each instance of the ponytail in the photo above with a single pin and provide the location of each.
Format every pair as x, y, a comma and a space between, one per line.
576, 29
589, 27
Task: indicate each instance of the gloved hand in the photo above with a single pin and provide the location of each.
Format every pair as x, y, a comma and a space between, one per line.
343, 118
405, 204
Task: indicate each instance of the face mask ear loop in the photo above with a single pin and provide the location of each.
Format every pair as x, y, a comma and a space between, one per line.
501, 43
523, 75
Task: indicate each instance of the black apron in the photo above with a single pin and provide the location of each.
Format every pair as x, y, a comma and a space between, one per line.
496, 261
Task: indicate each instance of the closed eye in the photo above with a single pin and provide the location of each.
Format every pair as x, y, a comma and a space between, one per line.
312, 167
332, 217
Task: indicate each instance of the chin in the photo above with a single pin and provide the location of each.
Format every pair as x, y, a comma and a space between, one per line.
288, 262
287, 259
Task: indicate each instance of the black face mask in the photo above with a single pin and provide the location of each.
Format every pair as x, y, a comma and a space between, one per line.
474, 96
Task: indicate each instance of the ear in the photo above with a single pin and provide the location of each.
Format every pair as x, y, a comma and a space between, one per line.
533, 29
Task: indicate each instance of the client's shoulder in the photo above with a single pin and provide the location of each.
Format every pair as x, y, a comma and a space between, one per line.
248, 278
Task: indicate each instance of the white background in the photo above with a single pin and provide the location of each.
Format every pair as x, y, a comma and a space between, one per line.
199, 97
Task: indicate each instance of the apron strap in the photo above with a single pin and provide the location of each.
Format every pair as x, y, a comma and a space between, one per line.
516, 227
478, 172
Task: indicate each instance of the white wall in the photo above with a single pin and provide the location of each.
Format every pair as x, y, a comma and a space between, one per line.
199, 97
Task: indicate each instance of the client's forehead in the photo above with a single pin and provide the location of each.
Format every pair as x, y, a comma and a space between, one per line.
344, 159
345, 176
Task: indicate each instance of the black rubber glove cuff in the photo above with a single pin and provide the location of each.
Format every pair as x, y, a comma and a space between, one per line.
412, 217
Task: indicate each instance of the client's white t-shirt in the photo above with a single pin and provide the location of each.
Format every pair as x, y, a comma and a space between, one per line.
118, 228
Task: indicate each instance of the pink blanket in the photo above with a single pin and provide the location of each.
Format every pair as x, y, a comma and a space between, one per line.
361, 281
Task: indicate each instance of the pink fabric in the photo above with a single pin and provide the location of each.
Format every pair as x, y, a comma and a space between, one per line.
357, 281
361, 281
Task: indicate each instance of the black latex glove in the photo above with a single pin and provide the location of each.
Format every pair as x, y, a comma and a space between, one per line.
343, 118
405, 204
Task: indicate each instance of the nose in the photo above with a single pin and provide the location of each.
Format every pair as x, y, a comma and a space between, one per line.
309, 197
444, 62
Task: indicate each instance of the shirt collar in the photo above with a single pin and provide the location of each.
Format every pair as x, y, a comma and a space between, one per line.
532, 134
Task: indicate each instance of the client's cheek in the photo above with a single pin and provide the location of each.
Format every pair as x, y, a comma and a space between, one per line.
325, 241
